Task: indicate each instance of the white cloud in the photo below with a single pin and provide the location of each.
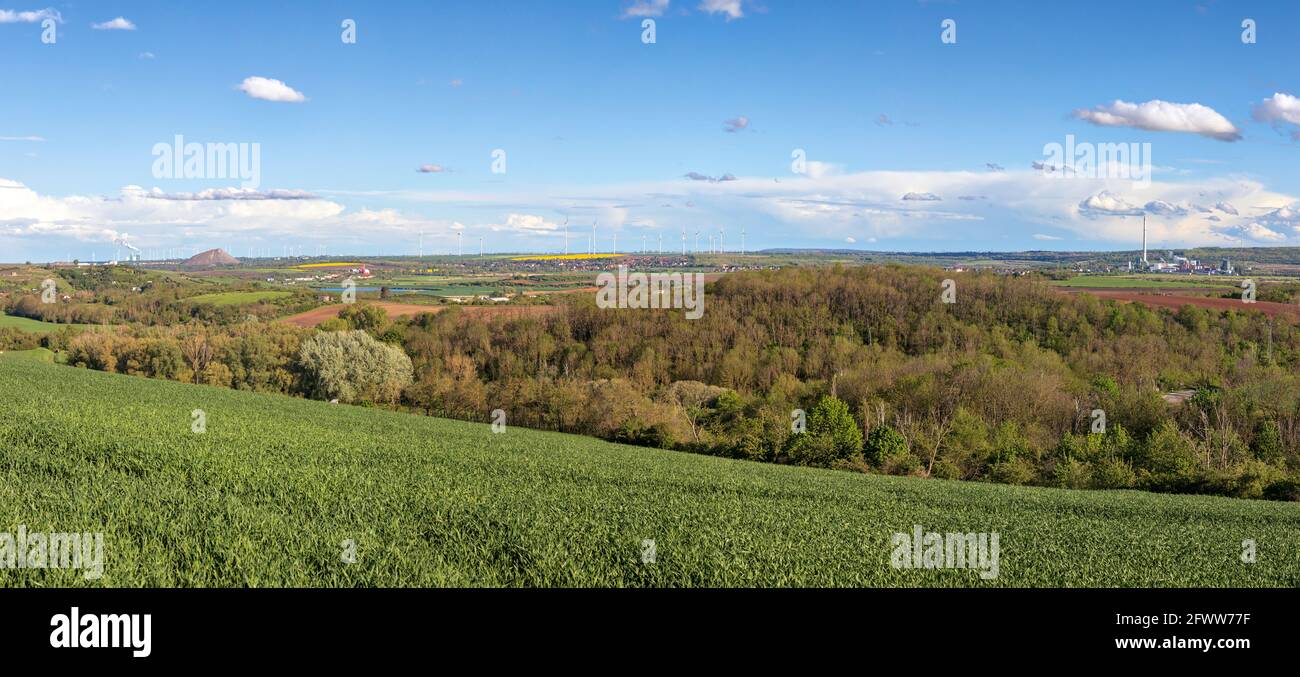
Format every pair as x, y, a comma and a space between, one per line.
696, 176
815, 169
737, 124
22, 138
1256, 232
731, 8
431, 169
922, 197
1049, 238
1278, 110
1226, 208
1164, 208
1107, 202
643, 8
270, 90
223, 194
118, 24
1016, 207
146, 55
1163, 116
157, 219
9, 16
527, 223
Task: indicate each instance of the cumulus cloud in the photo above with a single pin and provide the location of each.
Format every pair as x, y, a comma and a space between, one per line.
1107, 202
223, 194
1256, 232
268, 89
815, 169
922, 197
1282, 215
32, 224
644, 8
1163, 116
696, 176
1163, 208
731, 8
994, 167
1279, 110
738, 124
118, 24
1226, 208
526, 223
9, 16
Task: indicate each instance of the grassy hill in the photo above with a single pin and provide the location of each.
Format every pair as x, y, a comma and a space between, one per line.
269, 493
44, 355
30, 325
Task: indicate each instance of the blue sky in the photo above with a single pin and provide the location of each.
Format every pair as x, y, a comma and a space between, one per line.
598, 126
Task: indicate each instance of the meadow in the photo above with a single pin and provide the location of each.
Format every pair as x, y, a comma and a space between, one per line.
30, 325
237, 298
270, 491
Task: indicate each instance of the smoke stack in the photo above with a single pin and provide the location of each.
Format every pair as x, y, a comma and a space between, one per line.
1144, 239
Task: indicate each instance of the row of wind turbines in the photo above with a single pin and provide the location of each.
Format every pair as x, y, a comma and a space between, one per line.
719, 248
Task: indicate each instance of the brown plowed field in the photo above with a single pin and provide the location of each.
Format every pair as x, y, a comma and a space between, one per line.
1174, 301
315, 316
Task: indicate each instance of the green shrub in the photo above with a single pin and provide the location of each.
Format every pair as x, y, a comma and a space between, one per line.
883, 443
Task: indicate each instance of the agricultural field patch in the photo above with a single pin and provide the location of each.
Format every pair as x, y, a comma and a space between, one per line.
32, 326
236, 298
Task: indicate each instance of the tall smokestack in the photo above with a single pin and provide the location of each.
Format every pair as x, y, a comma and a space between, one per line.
1144, 239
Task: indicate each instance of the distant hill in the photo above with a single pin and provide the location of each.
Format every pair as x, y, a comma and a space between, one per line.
211, 257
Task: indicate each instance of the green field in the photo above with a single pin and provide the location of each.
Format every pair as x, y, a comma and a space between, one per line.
269, 492
44, 355
236, 298
30, 325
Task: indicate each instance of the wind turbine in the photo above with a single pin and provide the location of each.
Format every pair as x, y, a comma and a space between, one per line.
642, 243
593, 238
460, 251
661, 243
683, 241
480, 246
722, 234
566, 236
615, 242
697, 242
742, 241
